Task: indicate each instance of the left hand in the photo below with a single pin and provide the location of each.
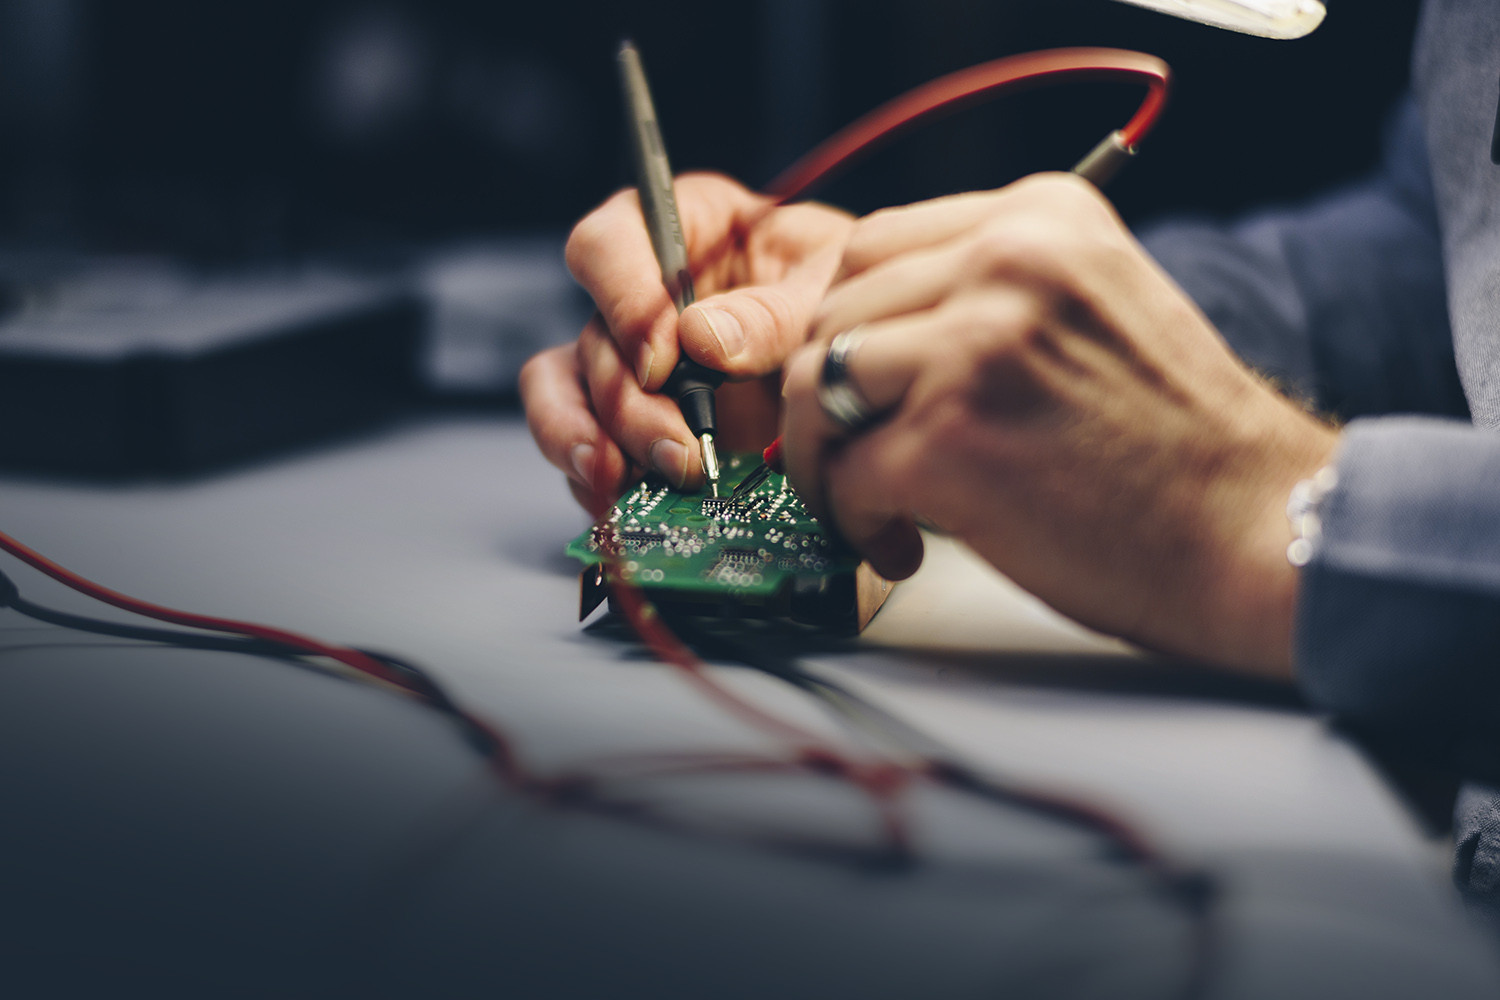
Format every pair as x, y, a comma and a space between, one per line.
594, 406
1048, 395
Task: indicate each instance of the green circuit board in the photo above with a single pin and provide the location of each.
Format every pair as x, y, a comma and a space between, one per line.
761, 553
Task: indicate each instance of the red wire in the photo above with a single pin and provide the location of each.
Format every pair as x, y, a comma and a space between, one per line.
502, 755
875, 779
879, 780
353, 658
882, 780
671, 650
967, 86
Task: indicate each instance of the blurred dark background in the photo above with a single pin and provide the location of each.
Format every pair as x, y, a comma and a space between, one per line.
238, 132
229, 229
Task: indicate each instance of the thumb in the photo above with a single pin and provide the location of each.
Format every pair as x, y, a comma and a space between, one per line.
751, 331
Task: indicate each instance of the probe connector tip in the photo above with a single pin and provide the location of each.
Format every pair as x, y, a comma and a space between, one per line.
710, 461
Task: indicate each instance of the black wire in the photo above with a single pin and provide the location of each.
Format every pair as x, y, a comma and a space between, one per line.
946, 765
188, 640
422, 683
763, 655
1192, 890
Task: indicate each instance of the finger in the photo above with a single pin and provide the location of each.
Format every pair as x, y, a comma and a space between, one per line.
867, 482
790, 259
609, 253
860, 510
647, 426
716, 210
907, 283
892, 231
750, 332
889, 540
1065, 201
805, 430
884, 364
564, 426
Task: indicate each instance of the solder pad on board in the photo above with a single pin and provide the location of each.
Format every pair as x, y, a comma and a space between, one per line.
759, 555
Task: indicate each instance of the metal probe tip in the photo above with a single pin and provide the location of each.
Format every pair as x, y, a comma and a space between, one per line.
710, 461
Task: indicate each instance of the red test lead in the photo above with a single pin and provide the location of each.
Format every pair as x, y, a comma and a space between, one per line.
965, 87
770, 461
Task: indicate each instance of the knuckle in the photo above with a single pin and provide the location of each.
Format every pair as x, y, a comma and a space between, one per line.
530, 372
968, 315
802, 372
903, 469
998, 329
591, 234
996, 252
1042, 252
582, 242
579, 245
807, 216
775, 313
1018, 248
539, 370
608, 401
587, 349
709, 182
1078, 208
632, 314
1063, 194
863, 248
1062, 190
946, 426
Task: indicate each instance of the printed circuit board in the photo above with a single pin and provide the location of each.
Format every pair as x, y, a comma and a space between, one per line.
759, 555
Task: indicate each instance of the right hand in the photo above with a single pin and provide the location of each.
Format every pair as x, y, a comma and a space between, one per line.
760, 270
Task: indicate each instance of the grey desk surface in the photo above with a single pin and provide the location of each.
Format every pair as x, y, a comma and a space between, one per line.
226, 793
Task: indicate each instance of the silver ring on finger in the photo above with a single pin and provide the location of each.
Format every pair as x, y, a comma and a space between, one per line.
841, 400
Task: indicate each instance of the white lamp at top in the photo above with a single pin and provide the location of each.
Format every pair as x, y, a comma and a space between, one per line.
1267, 18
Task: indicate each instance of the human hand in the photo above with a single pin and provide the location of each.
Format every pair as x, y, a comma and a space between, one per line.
760, 271
1048, 395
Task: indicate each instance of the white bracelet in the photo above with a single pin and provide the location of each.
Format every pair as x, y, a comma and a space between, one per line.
1303, 509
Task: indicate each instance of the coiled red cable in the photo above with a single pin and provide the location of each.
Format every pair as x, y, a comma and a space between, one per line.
969, 86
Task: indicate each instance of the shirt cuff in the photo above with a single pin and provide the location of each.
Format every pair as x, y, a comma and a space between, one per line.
1398, 619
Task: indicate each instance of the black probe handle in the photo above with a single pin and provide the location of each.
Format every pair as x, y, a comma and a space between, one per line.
693, 385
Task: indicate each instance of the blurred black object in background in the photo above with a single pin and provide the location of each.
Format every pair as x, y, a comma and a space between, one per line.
134, 366
444, 146
233, 130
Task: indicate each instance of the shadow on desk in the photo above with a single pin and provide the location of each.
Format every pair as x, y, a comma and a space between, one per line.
1104, 672
1146, 676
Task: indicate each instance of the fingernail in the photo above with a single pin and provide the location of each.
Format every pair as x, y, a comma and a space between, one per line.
670, 458
726, 330
583, 463
643, 364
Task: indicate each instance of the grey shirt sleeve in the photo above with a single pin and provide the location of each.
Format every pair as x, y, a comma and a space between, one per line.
1399, 617
1342, 299
1399, 610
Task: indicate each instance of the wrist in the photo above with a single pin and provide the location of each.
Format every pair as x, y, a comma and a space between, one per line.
1262, 590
